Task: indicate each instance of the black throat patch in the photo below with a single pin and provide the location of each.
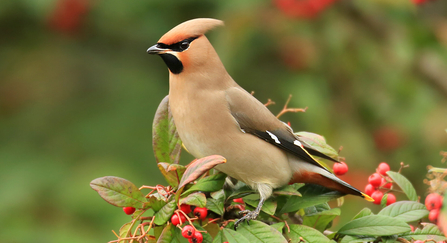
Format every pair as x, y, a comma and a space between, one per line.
174, 64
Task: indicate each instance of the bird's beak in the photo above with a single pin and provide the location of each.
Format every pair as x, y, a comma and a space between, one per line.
156, 50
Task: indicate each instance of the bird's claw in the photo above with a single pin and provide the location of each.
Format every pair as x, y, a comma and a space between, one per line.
249, 215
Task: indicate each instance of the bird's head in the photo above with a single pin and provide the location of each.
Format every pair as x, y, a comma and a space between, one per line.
186, 45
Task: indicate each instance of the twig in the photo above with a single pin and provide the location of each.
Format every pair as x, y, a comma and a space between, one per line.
402, 165
269, 102
285, 109
284, 221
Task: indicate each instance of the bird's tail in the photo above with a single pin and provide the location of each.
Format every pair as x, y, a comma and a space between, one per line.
308, 173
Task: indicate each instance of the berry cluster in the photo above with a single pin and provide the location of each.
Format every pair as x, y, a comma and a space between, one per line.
433, 202
189, 231
378, 183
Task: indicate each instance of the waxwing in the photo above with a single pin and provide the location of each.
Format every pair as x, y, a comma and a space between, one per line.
214, 115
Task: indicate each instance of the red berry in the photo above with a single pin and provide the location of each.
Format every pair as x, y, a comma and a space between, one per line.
201, 213
129, 210
412, 228
375, 179
433, 201
419, 241
185, 208
238, 200
369, 189
377, 196
419, 1
175, 220
383, 168
390, 199
197, 238
385, 184
340, 168
188, 231
433, 215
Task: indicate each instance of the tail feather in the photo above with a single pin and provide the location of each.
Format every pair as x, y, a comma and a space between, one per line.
306, 173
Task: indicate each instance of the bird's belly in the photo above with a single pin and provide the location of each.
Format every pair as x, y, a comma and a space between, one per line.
249, 159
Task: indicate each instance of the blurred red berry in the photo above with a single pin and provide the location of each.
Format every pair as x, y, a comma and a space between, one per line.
412, 228
433, 215
238, 200
377, 196
369, 189
302, 8
201, 213
390, 199
375, 180
340, 168
68, 15
288, 124
197, 238
433, 201
418, 241
386, 184
175, 220
129, 210
388, 138
188, 231
383, 168
185, 208
419, 1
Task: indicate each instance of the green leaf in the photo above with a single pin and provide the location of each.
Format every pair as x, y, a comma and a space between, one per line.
278, 226
196, 199
321, 220
219, 238
318, 143
407, 211
357, 239
383, 201
118, 192
165, 213
364, 212
316, 209
233, 237
404, 184
208, 184
269, 206
374, 225
311, 195
171, 172
307, 233
437, 170
199, 167
389, 239
156, 201
239, 190
258, 232
215, 205
288, 190
168, 235
165, 139
430, 231
125, 229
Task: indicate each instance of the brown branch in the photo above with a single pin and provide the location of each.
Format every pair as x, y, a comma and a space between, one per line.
285, 109
269, 102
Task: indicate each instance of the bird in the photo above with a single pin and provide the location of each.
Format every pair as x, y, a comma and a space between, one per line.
215, 116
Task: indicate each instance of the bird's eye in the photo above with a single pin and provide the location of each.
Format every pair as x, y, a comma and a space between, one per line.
184, 45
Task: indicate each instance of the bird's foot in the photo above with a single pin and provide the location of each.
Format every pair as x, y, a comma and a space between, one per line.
249, 215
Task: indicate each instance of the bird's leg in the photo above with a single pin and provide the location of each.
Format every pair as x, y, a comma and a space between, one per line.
250, 215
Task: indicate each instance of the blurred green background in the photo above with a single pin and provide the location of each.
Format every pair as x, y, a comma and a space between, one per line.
78, 94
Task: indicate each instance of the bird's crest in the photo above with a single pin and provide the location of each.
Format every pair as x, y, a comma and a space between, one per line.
190, 28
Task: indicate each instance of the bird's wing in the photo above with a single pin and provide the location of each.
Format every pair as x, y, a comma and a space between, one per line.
254, 118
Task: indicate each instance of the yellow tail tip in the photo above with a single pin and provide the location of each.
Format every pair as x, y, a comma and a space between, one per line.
367, 198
